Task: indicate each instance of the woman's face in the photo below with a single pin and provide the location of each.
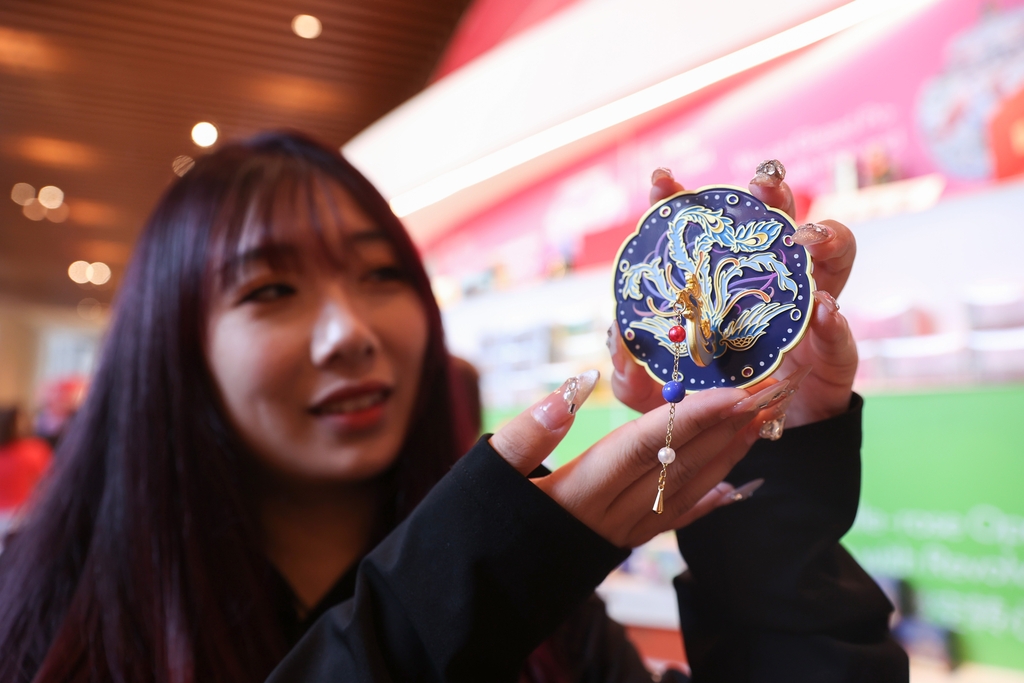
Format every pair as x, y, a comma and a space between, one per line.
317, 346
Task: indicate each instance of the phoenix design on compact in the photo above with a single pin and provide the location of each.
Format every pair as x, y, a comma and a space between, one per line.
680, 277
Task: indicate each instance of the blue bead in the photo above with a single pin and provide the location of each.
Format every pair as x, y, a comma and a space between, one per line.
673, 392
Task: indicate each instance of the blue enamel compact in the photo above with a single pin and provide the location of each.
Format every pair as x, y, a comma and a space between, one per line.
710, 286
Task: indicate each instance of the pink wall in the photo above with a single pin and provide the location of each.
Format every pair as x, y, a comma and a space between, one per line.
914, 92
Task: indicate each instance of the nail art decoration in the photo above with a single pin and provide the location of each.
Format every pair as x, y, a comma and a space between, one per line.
773, 169
572, 386
813, 233
556, 409
772, 429
711, 290
746, 491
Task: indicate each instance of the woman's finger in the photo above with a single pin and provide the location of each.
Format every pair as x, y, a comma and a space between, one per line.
768, 185
697, 498
830, 348
688, 473
679, 507
831, 340
689, 503
630, 382
720, 495
630, 453
663, 185
833, 248
704, 423
589, 485
531, 436
686, 479
723, 494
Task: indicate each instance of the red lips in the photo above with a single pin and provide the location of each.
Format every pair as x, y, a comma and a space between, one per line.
353, 407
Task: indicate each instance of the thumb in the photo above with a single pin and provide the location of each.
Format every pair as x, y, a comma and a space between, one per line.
532, 434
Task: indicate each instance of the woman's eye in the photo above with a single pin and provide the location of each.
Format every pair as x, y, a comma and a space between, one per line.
268, 293
386, 274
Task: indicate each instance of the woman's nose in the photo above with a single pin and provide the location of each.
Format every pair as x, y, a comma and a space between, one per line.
341, 334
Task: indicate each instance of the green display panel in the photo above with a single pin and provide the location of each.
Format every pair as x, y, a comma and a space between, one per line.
592, 422
942, 505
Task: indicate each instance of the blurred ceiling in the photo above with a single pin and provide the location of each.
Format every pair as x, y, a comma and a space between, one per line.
98, 97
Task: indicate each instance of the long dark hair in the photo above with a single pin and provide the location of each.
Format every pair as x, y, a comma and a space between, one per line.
140, 558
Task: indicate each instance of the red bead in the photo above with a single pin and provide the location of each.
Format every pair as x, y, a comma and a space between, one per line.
676, 334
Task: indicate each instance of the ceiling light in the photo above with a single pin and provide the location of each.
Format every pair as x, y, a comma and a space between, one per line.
204, 134
34, 211
58, 153
58, 215
23, 193
79, 271
99, 273
306, 26
183, 163
643, 101
51, 197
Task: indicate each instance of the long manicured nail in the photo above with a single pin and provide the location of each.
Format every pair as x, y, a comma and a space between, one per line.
813, 233
554, 411
660, 174
798, 376
827, 300
772, 430
744, 492
765, 398
769, 172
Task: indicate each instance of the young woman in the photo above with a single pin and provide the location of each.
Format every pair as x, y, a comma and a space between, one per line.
270, 439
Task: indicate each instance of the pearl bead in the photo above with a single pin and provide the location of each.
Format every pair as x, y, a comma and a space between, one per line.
676, 334
666, 455
673, 392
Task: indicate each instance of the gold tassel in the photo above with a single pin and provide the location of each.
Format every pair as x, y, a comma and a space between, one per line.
659, 503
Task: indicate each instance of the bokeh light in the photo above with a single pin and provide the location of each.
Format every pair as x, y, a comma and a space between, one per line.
79, 272
90, 309
34, 210
204, 134
99, 273
23, 193
306, 26
51, 196
182, 164
58, 215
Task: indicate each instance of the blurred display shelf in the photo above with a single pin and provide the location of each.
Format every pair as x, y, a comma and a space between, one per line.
637, 601
933, 303
923, 672
880, 201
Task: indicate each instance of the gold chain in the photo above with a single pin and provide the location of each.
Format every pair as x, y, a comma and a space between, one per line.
659, 501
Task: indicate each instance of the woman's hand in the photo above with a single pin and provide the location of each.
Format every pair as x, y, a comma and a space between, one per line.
827, 347
611, 487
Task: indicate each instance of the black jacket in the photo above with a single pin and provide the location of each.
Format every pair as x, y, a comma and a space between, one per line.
487, 567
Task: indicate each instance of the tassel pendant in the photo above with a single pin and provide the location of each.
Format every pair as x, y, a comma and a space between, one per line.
673, 392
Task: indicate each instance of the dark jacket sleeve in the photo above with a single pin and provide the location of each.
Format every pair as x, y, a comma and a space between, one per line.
482, 571
770, 594
590, 647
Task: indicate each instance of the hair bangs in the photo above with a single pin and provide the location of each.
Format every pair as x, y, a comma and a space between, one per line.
285, 214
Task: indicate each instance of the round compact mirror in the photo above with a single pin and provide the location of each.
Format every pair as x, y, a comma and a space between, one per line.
713, 279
